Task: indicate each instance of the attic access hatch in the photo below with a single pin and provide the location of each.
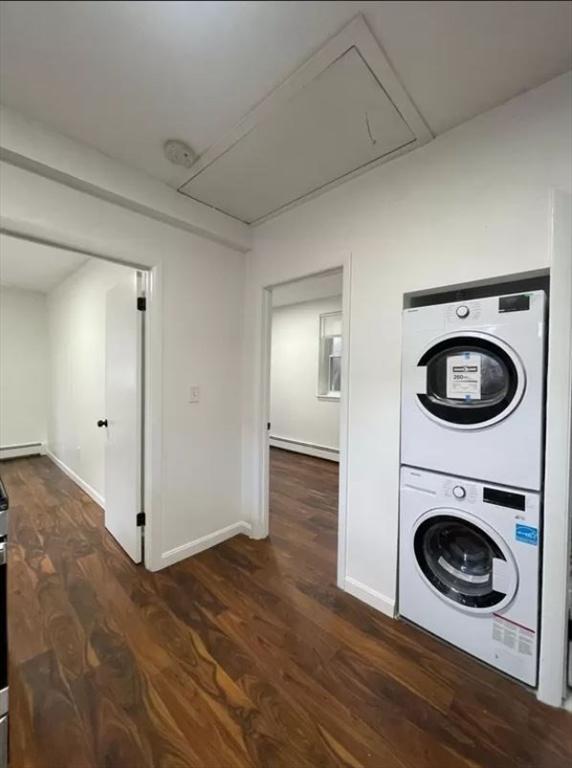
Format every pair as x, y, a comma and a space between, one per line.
343, 111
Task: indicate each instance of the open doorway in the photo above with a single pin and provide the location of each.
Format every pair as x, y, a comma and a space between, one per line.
305, 390
72, 364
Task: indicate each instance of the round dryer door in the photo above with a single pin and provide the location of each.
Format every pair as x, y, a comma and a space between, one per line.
464, 561
472, 380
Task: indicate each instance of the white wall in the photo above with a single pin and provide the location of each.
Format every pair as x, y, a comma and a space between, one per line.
76, 325
23, 367
196, 338
473, 204
296, 411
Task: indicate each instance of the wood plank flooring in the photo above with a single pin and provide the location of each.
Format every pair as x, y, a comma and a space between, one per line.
245, 655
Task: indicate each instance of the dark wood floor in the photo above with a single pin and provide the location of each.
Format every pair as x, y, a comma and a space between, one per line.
246, 655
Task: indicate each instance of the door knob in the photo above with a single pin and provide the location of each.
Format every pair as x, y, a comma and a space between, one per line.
102, 423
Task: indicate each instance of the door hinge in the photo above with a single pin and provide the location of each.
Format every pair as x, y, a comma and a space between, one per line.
268, 425
141, 518
141, 303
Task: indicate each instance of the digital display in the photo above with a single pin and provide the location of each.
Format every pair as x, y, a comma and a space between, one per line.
518, 303
504, 498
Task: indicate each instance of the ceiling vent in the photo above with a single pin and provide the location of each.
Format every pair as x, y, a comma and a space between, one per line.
342, 112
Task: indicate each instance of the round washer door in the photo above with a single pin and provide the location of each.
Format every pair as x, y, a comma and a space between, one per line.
464, 561
472, 380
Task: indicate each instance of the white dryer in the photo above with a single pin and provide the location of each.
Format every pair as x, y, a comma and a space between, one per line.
469, 558
473, 388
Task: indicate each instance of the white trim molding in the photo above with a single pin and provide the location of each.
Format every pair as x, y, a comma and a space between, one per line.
558, 471
91, 492
344, 417
183, 551
260, 507
370, 596
19, 450
308, 449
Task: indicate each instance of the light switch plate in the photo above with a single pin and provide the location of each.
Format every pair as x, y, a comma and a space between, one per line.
194, 394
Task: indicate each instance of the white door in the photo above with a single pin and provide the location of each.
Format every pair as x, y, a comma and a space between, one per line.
123, 399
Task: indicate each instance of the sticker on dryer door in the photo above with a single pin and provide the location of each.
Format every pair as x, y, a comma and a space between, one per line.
464, 376
526, 533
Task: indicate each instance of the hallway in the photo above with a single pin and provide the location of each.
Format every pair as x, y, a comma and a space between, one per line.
245, 655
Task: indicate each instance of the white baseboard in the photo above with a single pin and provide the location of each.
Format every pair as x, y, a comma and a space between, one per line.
21, 450
91, 492
309, 449
370, 596
173, 556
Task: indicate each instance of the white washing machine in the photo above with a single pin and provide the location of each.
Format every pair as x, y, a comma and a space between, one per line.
473, 388
469, 559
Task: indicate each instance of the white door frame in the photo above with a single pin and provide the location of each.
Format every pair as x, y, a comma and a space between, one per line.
262, 524
152, 377
558, 469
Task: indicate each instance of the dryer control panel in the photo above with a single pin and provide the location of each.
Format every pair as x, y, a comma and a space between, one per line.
463, 313
473, 313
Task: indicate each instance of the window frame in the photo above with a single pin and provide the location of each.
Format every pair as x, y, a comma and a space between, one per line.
324, 391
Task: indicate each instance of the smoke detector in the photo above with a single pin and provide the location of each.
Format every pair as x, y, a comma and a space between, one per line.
179, 153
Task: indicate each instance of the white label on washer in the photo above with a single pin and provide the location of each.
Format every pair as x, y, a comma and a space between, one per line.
464, 376
513, 636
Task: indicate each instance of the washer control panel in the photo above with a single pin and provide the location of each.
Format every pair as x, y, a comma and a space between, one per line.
461, 490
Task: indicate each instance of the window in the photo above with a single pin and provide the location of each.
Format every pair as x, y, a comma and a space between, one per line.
330, 369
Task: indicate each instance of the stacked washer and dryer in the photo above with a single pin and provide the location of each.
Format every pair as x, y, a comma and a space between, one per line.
471, 477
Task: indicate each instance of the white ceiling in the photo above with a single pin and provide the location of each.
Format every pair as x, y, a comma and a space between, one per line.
125, 76
34, 267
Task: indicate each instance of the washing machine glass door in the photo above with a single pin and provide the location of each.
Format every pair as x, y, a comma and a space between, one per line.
472, 380
464, 562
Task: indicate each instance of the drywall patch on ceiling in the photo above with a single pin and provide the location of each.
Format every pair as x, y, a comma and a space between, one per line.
339, 114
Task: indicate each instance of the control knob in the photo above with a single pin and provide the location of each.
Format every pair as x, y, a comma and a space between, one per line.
463, 311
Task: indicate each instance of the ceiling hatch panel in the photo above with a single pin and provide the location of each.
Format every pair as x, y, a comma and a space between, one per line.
341, 112
341, 121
